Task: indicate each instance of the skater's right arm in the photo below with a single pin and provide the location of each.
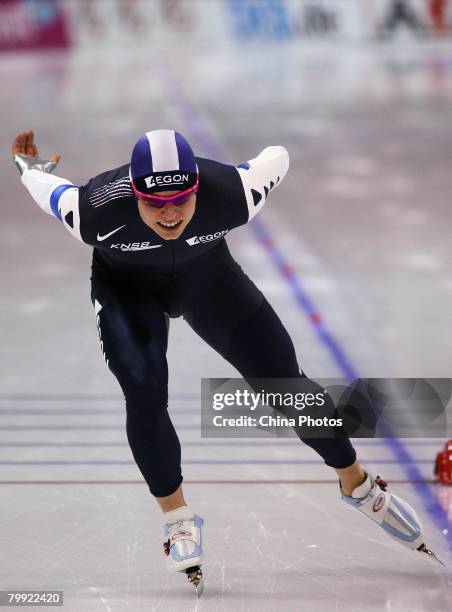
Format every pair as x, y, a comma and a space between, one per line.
55, 195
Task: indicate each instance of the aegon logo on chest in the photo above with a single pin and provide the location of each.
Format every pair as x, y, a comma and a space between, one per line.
206, 238
166, 179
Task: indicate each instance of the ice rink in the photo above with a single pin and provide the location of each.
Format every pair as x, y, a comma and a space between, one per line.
353, 251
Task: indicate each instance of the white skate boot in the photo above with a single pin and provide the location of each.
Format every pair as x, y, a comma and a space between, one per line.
183, 544
392, 513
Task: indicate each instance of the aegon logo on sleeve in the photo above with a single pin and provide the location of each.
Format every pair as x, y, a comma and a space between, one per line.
206, 238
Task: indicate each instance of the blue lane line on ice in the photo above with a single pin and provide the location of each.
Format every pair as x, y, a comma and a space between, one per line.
199, 127
302, 298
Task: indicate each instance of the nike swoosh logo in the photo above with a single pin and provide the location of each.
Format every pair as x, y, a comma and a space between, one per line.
100, 238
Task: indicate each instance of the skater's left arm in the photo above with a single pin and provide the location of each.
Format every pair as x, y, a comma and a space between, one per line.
261, 175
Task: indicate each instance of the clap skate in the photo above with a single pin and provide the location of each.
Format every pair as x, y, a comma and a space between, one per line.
183, 545
392, 513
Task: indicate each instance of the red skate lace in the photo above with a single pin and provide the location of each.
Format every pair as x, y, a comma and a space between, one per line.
381, 483
166, 547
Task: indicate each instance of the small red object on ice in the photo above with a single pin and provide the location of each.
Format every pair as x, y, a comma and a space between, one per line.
443, 465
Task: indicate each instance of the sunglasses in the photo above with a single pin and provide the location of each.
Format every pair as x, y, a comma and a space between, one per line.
159, 201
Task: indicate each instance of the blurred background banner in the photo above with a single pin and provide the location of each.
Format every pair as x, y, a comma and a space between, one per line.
32, 24
35, 24
260, 19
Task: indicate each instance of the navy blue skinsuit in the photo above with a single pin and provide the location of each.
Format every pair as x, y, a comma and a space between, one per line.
140, 281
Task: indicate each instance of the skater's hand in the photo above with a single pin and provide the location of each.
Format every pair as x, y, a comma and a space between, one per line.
23, 144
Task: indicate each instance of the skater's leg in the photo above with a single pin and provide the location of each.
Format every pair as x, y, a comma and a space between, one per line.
235, 319
248, 333
133, 330
272, 355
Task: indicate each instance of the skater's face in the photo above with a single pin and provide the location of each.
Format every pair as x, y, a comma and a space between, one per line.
159, 219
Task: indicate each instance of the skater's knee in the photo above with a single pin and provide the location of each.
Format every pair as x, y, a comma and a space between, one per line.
146, 380
140, 374
146, 394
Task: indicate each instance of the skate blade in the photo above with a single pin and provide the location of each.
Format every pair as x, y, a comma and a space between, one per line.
423, 549
194, 575
199, 588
